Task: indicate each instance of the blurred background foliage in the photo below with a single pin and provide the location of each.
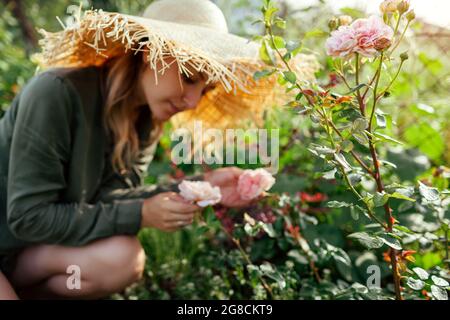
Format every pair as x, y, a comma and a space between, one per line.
185, 265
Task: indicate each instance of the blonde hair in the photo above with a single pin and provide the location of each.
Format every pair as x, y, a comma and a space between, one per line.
121, 111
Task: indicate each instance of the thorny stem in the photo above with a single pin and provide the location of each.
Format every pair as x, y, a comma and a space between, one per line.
369, 210
380, 188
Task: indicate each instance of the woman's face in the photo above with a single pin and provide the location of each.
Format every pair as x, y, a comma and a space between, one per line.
174, 92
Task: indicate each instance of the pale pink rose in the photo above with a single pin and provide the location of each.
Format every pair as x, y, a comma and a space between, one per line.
252, 183
200, 192
372, 34
365, 36
342, 42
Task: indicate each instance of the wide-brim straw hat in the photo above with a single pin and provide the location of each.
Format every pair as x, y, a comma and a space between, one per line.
195, 33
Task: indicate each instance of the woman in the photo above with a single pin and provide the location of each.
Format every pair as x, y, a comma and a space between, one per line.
76, 142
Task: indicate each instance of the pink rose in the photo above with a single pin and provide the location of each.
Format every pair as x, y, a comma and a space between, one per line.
372, 35
342, 42
253, 183
200, 192
365, 36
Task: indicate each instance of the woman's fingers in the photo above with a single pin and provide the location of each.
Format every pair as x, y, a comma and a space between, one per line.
179, 205
180, 217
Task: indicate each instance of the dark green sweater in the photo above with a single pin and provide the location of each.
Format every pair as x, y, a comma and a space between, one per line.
57, 185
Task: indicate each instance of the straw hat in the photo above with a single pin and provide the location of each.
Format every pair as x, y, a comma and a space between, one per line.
195, 33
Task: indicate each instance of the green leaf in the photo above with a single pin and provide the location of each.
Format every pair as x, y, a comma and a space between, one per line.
439, 281
251, 231
415, 284
358, 87
278, 43
390, 241
355, 211
343, 263
367, 240
379, 199
281, 80
262, 74
268, 14
280, 23
201, 230
439, 293
421, 273
290, 76
338, 204
398, 195
298, 257
347, 145
403, 229
361, 137
381, 121
266, 54
293, 47
429, 193
360, 124
268, 228
339, 157
386, 138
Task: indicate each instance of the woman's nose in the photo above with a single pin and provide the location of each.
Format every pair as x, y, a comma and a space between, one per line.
192, 96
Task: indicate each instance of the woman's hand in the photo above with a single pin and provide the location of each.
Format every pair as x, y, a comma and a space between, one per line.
167, 211
227, 180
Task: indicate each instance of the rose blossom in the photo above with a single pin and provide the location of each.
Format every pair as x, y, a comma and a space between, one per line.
364, 36
200, 192
253, 183
372, 34
342, 42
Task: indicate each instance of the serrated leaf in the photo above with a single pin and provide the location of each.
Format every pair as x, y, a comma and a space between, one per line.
379, 199
268, 228
429, 193
339, 157
290, 76
262, 74
386, 138
266, 54
439, 293
423, 274
360, 124
391, 241
367, 240
347, 146
439, 281
278, 43
415, 284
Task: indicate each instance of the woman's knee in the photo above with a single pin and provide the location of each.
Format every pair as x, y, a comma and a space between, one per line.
6, 290
121, 261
